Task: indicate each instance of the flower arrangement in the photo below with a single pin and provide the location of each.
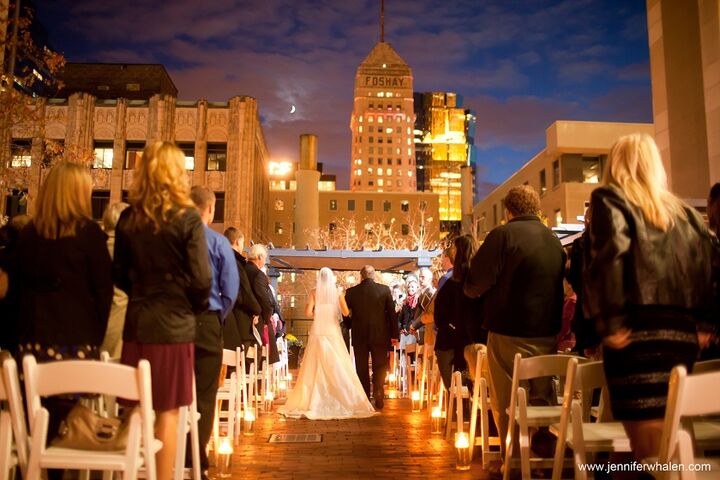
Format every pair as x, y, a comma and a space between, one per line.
293, 340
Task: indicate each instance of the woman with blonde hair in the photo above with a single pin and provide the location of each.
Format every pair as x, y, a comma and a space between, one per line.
648, 285
65, 279
161, 262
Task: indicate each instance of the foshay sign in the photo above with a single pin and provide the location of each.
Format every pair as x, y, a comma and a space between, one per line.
376, 81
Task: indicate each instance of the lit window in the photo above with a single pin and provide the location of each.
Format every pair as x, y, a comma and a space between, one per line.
380, 182
21, 156
409, 152
333, 204
398, 172
379, 171
370, 118
370, 171
279, 205
397, 152
278, 228
216, 157
360, 119
408, 130
380, 94
409, 142
380, 119
103, 155
558, 217
409, 173
133, 154
388, 94
189, 151
404, 205
360, 129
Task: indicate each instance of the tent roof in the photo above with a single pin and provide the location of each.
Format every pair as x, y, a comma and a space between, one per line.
382, 260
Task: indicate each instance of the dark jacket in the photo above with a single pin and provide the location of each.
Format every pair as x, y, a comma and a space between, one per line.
261, 290
582, 327
65, 287
631, 264
455, 314
166, 275
518, 271
373, 318
238, 324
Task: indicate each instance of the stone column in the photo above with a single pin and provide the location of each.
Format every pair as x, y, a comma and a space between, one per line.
116, 176
79, 132
200, 144
307, 196
161, 121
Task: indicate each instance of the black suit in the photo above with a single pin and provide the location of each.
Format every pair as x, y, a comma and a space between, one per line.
373, 324
238, 324
261, 289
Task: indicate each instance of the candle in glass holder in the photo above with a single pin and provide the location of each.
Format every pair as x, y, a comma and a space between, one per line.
415, 398
436, 420
282, 387
249, 422
392, 393
288, 378
391, 380
269, 397
462, 445
224, 457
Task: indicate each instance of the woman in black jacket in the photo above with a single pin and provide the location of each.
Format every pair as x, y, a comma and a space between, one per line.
454, 313
648, 285
161, 262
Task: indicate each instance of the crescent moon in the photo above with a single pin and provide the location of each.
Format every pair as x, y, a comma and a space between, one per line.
292, 108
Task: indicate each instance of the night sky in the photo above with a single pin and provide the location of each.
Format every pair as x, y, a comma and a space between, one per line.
519, 64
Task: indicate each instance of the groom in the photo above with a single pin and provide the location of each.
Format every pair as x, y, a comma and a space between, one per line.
374, 328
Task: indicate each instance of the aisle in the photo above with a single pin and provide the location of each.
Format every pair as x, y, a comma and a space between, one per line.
395, 444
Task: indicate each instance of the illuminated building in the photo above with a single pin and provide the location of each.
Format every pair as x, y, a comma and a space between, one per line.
443, 145
382, 120
564, 173
223, 142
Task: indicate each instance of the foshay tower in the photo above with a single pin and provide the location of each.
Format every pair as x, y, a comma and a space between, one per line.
382, 121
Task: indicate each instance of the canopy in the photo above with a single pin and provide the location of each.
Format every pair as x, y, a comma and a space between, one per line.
353, 260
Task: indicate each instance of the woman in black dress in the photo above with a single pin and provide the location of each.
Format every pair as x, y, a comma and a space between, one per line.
648, 285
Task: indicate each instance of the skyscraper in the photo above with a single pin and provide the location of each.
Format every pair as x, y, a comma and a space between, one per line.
444, 144
382, 120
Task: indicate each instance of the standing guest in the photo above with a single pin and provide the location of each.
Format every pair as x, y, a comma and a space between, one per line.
209, 339
64, 271
426, 296
261, 289
113, 336
408, 311
237, 331
9, 282
709, 342
713, 209
447, 259
454, 313
648, 284
161, 262
518, 271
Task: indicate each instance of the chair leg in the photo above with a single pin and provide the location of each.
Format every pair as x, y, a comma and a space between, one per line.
181, 443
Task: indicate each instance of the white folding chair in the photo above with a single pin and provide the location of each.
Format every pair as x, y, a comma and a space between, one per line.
95, 377
455, 395
188, 417
12, 423
706, 366
526, 416
489, 445
689, 397
247, 379
227, 392
408, 372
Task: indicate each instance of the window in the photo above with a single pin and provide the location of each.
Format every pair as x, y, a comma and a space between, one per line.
543, 182
132, 87
99, 200
21, 156
133, 154
103, 155
16, 203
386, 205
368, 205
189, 151
333, 204
371, 183
371, 161
581, 169
332, 227
381, 182
404, 205
398, 161
556, 173
351, 205
278, 228
279, 205
219, 207
558, 217
216, 157
371, 139
405, 229
399, 183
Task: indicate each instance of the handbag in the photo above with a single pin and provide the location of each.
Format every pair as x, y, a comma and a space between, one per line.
84, 429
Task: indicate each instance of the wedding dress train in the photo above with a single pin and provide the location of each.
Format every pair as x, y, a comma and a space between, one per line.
327, 385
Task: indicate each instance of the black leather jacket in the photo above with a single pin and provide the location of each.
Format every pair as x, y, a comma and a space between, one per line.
166, 275
630, 263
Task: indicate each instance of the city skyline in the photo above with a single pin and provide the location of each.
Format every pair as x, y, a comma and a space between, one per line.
519, 65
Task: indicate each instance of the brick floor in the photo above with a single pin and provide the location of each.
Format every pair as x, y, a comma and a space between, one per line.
395, 444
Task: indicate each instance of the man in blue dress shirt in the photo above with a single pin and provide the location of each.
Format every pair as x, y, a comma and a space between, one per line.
208, 340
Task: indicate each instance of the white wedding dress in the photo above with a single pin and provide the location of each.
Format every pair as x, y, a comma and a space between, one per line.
327, 385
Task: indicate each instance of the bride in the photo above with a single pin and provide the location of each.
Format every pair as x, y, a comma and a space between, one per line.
327, 385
